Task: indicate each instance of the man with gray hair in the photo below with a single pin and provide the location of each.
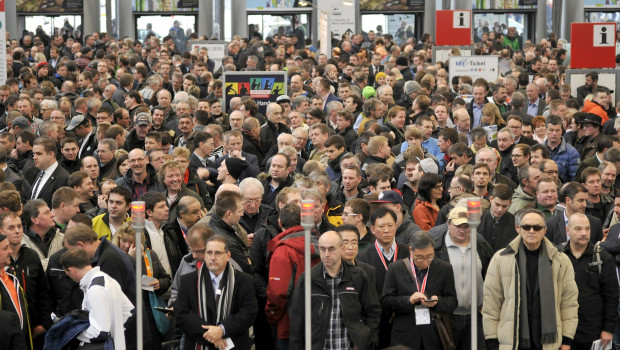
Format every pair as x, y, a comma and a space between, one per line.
517, 103
541, 312
254, 212
332, 109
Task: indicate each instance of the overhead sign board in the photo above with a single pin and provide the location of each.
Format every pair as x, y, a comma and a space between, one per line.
593, 45
263, 87
453, 27
216, 50
475, 66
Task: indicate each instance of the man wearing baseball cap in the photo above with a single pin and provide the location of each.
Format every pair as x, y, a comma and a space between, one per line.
83, 129
393, 200
451, 243
142, 125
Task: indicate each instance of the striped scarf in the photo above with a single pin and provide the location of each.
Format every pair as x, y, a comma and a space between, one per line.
222, 300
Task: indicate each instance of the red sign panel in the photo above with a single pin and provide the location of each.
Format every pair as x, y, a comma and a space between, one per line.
593, 45
453, 27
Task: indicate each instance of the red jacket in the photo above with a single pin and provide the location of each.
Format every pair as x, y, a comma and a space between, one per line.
286, 264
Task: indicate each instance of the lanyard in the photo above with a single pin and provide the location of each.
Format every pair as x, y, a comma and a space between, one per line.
184, 233
147, 263
381, 254
415, 277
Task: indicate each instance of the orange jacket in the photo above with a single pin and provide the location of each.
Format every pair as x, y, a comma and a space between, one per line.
595, 108
424, 214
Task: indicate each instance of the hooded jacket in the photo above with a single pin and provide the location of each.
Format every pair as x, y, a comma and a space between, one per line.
501, 303
286, 264
520, 200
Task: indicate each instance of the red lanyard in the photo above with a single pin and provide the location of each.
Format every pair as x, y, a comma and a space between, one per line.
415, 275
381, 254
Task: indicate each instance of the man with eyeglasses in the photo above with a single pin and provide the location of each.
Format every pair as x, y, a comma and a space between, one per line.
416, 289
216, 303
530, 289
336, 286
356, 213
550, 169
452, 244
381, 255
350, 249
520, 157
141, 176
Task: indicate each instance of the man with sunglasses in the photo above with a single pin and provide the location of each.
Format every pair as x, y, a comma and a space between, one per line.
452, 244
530, 289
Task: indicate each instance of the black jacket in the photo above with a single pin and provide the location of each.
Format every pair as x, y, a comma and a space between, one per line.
59, 178
258, 251
252, 223
254, 146
151, 180
356, 295
108, 171
173, 214
10, 332
28, 269
238, 250
113, 261
485, 252
399, 286
132, 142
350, 138
371, 257
556, 229
269, 133
498, 233
65, 294
269, 198
70, 166
172, 247
243, 309
598, 294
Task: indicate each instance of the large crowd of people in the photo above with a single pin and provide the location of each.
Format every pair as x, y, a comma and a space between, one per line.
386, 144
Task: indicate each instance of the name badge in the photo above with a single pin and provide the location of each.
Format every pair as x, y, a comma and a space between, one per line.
422, 316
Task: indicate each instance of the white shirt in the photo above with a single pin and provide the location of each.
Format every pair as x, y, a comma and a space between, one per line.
48, 173
84, 142
158, 244
108, 307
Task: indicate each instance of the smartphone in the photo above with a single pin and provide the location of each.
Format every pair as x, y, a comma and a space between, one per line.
164, 309
430, 300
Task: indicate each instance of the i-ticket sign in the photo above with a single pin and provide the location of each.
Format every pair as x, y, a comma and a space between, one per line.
453, 27
593, 45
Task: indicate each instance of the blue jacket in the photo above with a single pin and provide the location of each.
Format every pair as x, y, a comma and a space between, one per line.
68, 328
567, 158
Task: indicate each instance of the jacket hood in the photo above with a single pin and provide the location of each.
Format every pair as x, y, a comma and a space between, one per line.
287, 238
521, 194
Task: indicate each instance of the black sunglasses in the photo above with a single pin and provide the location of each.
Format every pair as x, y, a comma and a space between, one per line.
530, 227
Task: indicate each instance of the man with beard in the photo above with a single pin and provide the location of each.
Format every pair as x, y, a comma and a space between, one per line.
278, 178
81, 182
499, 97
589, 87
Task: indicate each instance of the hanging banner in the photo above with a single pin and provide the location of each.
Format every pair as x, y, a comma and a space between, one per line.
593, 45
453, 27
50, 6
216, 50
263, 87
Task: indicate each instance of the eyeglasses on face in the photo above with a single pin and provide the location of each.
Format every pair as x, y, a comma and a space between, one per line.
530, 227
423, 258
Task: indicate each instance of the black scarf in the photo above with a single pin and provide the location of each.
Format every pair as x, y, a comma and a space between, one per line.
547, 299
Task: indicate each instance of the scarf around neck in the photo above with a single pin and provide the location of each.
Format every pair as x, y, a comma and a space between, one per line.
547, 299
223, 299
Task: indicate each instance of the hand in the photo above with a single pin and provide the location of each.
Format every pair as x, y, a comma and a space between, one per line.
203, 173
450, 166
606, 338
430, 304
250, 239
213, 333
415, 297
170, 314
565, 347
102, 201
605, 232
220, 344
155, 284
14, 154
392, 133
132, 250
38, 330
235, 154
